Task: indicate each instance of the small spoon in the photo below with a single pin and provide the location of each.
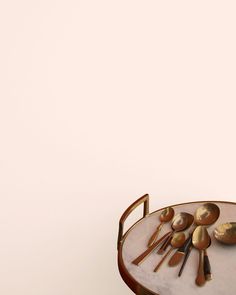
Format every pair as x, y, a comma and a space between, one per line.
176, 242
226, 233
207, 266
207, 214
181, 222
166, 216
200, 240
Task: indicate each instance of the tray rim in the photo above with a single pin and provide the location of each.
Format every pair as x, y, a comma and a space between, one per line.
130, 281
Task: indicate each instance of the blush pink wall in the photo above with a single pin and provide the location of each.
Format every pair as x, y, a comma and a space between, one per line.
101, 102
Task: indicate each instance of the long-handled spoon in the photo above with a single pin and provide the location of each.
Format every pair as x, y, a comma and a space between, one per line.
179, 223
200, 240
207, 266
176, 241
166, 216
207, 214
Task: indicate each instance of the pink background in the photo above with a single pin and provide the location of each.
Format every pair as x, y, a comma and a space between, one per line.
101, 102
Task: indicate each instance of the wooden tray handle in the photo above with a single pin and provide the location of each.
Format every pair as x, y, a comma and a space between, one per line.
145, 200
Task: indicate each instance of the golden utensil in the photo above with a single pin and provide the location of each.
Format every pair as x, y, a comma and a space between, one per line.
166, 216
200, 240
207, 214
149, 250
176, 242
207, 266
181, 222
226, 233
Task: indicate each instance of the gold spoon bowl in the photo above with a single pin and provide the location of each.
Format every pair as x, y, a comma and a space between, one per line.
226, 233
176, 242
207, 214
201, 241
166, 216
181, 221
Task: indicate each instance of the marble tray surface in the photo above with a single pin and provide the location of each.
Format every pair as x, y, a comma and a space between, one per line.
166, 280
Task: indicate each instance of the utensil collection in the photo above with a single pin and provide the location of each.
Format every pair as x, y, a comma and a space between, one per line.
199, 239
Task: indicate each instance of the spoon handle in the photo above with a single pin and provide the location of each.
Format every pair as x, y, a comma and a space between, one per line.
141, 257
187, 251
165, 244
154, 236
185, 260
207, 267
162, 260
200, 279
181, 252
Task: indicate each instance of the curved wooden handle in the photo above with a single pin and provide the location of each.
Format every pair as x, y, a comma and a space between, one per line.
200, 279
207, 267
144, 199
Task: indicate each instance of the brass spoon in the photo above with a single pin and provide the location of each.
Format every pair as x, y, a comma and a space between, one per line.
176, 242
226, 233
166, 216
181, 222
207, 214
200, 240
207, 266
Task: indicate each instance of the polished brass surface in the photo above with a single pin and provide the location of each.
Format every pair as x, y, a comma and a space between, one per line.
181, 222
176, 242
207, 214
166, 216
201, 241
226, 233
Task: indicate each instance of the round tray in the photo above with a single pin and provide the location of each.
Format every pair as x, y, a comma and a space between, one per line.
142, 280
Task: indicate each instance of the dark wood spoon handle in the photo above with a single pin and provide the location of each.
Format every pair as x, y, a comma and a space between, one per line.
207, 267
200, 279
185, 259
